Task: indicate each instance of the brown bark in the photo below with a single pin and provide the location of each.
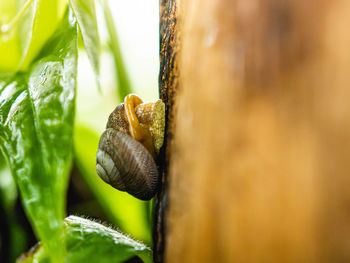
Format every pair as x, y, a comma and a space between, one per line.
259, 168
168, 83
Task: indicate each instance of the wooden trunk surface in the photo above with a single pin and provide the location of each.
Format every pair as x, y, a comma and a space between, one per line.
168, 83
260, 162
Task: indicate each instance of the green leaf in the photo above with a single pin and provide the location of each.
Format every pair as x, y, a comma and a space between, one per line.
88, 241
26, 26
8, 190
84, 236
127, 212
36, 127
84, 11
16, 241
124, 86
36, 254
37, 26
10, 51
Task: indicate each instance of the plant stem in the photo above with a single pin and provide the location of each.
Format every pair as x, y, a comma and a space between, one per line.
9, 26
123, 81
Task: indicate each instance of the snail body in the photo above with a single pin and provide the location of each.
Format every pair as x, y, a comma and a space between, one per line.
129, 146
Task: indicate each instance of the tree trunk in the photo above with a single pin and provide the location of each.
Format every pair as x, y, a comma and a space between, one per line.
259, 168
168, 83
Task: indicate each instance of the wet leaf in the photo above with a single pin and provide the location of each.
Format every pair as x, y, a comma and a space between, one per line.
36, 127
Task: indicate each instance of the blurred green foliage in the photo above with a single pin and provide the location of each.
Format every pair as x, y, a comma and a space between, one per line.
84, 11
38, 73
122, 76
8, 197
32, 22
129, 213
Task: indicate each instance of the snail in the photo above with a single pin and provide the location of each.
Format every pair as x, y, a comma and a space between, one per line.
130, 145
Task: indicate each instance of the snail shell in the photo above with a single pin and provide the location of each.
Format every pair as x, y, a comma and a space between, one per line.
126, 164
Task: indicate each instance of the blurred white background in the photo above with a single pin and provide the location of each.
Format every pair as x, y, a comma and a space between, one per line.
137, 27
